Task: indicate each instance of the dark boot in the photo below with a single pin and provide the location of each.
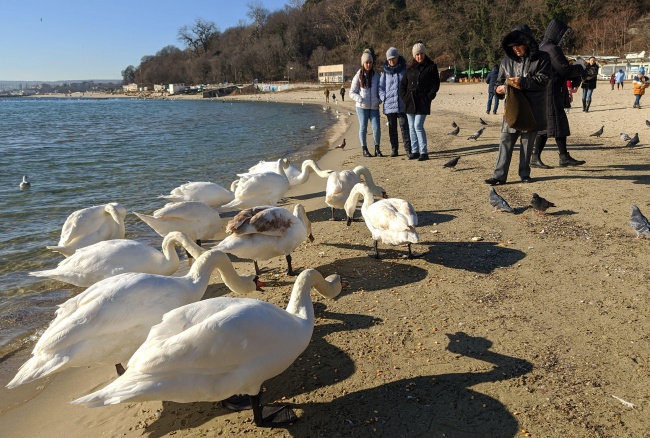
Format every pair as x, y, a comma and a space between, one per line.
565, 158
584, 105
588, 105
394, 152
377, 151
366, 152
536, 157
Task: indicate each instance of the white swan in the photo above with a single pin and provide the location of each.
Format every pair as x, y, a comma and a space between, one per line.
261, 233
25, 184
253, 189
107, 322
210, 193
105, 259
392, 220
91, 225
210, 350
294, 175
339, 186
192, 218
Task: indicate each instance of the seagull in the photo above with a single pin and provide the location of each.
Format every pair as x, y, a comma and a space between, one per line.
455, 131
312, 127
483, 122
498, 202
476, 135
341, 146
454, 125
540, 204
25, 184
452, 163
633, 141
639, 223
598, 133
625, 137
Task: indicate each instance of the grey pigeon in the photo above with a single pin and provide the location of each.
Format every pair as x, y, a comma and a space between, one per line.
647, 122
625, 137
498, 202
483, 122
476, 135
598, 133
634, 141
540, 204
455, 131
454, 125
452, 163
639, 223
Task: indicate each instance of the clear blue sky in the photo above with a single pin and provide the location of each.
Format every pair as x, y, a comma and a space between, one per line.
45, 40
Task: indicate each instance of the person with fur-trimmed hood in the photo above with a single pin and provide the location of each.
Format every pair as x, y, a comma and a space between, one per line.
557, 95
528, 69
394, 108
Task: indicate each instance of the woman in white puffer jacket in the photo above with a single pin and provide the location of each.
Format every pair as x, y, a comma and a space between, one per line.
365, 92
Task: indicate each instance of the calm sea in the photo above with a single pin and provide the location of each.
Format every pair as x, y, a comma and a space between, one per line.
85, 152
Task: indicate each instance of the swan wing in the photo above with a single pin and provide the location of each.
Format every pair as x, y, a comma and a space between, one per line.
272, 221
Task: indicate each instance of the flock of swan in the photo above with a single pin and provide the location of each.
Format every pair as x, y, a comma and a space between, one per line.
175, 346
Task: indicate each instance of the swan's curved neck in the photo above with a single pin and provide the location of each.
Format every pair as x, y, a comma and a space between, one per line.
215, 259
300, 304
358, 190
300, 213
176, 237
367, 176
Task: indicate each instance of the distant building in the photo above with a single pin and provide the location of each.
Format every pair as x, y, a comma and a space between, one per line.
159, 87
335, 73
176, 88
130, 88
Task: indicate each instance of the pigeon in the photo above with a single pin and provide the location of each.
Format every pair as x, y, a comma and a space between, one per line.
540, 204
452, 163
455, 131
647, 122
625, 137
633, 141
483, 122
598, 133
341, 146
476, 135
454, 125
498, 202
639, 223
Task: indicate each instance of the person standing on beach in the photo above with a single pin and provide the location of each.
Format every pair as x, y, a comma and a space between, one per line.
640, 83
589, 79
342, 94
528, 69
620, 79
327, 95
612, 80
364, 90
557, 96
394, 69
418, 88
491, 79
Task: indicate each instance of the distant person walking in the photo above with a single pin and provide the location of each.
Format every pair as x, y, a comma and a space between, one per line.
418, 88
364, 90
491, 80
327, 95
620, 79
342, 94
589, 79
640, 83
612, 80
394, 69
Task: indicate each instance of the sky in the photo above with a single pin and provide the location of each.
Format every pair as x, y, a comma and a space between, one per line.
73, 40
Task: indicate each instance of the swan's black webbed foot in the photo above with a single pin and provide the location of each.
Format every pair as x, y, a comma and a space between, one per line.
412, 255
120, 369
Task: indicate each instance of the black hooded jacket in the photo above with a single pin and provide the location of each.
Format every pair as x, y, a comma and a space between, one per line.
534, 70
419, 86
557, 93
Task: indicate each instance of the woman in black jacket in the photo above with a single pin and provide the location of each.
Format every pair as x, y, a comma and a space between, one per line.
418, 88
589, 80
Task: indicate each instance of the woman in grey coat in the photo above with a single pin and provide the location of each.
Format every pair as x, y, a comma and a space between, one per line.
393, 73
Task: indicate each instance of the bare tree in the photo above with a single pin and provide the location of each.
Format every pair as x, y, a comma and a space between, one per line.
200, 37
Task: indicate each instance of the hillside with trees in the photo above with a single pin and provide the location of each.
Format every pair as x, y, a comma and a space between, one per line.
292, 42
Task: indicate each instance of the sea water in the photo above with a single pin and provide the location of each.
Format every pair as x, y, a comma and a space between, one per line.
83, 152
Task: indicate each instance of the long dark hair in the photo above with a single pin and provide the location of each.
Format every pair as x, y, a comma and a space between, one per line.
363, 76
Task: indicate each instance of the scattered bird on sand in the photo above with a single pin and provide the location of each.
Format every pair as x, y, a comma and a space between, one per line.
476, 135
212, 349
539, 204
625, 137
639, 223
454, 124
452, 163
455, 131
498, 202
633, 141
25, 184
647, 122
342, 145
312, 127
598, 133
483, 122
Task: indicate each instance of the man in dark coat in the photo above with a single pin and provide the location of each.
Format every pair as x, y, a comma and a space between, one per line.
491, 80
557, 96
528, 69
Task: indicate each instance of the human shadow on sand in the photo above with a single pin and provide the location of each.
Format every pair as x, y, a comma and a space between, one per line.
481, 257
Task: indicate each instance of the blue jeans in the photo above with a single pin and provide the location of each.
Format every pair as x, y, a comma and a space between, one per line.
637, 99
417, 134
586, 94
496, 102
364, 115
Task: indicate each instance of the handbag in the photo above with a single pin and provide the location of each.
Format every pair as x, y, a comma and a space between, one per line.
518, 114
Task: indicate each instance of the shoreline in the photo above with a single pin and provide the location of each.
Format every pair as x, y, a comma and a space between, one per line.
551, 307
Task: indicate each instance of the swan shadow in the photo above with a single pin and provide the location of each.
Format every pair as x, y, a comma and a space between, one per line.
480, 257
308, 196
561, 213
433, 405
427, 217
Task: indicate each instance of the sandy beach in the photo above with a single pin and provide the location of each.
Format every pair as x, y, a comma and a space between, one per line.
510, 325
